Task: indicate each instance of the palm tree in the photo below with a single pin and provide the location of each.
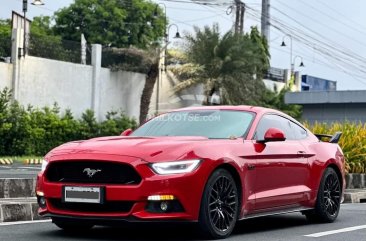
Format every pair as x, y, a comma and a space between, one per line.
232, 64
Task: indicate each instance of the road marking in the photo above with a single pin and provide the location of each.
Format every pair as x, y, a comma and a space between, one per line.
24, 222
343, 230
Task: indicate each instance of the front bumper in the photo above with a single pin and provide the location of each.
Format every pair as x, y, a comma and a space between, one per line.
186, 188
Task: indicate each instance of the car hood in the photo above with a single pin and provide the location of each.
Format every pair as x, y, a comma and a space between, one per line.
150, 149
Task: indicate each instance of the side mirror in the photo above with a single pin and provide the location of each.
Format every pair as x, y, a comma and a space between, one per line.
273, 134
126, 132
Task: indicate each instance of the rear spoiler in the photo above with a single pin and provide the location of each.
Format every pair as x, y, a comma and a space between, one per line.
332, 138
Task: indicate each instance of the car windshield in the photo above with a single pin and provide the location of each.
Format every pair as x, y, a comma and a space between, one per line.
215, 124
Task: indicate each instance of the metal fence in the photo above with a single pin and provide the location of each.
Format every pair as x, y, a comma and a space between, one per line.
52, 47
275, 74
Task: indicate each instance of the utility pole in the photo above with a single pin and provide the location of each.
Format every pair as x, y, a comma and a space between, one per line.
239, 16
265, 20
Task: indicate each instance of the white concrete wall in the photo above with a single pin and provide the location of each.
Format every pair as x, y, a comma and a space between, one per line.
42, 82
6, 71
121, 91
274, 85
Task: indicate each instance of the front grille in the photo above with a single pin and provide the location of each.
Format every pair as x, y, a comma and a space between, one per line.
96, 172
106, 207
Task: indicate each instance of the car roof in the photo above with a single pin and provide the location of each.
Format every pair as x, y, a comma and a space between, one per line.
255, 109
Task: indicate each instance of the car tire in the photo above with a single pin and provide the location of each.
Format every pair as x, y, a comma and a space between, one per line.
219, 206
72, 226
328, 199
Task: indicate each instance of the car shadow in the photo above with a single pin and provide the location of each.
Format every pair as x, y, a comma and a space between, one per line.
178, 231
270, 223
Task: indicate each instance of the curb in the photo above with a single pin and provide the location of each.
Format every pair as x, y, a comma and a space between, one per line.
12, 210
355, 196
17, 188
32, 161
6, 161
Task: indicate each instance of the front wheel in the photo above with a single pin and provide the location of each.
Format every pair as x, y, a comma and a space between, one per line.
219, 206
328, 200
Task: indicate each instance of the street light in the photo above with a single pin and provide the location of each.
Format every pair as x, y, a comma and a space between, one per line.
166, 40
301, 63
284, 45
25, 9
177, 34
37, 3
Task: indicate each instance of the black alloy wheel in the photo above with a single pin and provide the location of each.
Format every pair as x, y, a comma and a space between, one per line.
332, 194
220, 205
328, 200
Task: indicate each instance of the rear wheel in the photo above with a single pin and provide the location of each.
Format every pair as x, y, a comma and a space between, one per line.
219, 206
72, 226
328, 199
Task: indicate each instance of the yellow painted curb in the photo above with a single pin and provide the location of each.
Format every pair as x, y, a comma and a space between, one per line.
6, 161
32, 161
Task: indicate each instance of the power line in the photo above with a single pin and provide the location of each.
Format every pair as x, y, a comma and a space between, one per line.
358, 30
310, 44
197, 2
329, 43
340, 13
318, 22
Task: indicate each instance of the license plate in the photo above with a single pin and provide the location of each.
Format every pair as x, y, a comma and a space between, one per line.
82, 194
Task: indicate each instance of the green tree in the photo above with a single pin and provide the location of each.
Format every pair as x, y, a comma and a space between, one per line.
118, 23
136, 60
5, 38
42, 25
232, 64
45, 43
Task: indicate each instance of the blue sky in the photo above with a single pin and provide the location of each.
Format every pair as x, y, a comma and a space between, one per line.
330, 36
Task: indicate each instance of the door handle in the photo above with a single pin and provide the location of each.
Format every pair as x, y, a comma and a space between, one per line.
301, 153
251, 167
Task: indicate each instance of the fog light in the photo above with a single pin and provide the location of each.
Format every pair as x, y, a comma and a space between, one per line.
41, 202
164, 206
169, 206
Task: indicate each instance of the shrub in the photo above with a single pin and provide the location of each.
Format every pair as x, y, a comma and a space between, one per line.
32, 131
352, 142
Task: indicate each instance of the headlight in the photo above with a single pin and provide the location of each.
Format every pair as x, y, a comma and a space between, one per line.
44, 164
177, 167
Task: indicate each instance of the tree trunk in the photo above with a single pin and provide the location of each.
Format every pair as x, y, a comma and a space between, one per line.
148, 90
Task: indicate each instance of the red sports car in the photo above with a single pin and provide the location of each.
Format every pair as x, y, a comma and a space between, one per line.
211, 165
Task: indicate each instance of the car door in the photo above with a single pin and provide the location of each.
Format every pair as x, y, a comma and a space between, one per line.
281, 166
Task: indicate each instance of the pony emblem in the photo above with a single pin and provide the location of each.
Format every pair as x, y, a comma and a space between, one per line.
91, 172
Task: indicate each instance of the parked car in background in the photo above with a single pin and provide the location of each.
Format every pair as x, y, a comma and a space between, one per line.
211, 165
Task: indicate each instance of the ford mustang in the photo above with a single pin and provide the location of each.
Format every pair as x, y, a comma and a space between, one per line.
210, 165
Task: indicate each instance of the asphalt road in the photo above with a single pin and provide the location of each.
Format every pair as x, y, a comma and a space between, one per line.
19, 171
291, 227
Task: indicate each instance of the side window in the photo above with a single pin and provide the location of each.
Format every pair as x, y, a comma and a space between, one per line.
300, 133
274, 121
